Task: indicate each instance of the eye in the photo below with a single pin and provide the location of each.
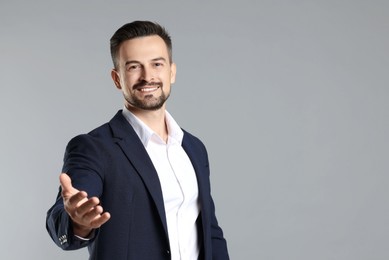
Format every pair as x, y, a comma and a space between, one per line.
158, 64
133, 67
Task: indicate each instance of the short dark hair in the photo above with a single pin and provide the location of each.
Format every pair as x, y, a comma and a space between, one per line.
138, 29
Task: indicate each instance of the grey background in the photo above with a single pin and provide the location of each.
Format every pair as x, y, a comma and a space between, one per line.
290, 97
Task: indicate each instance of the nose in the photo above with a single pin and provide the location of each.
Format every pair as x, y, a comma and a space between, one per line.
147, 75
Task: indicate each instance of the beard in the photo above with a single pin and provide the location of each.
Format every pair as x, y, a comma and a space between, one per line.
148, 102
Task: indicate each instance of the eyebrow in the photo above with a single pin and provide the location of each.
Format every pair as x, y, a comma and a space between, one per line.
159, 59
138, 62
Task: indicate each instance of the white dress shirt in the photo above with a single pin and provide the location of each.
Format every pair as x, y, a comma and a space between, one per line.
178, 183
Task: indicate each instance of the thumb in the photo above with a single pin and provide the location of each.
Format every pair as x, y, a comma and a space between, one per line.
66, 183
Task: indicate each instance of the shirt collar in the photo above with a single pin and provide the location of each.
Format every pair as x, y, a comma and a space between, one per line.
175, 133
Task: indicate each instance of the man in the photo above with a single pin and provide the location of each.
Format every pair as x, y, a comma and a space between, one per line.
138, 186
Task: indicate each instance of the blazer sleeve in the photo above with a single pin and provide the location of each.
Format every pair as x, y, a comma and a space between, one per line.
219, 244
84, 163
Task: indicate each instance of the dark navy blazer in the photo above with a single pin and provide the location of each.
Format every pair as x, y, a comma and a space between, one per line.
111, 163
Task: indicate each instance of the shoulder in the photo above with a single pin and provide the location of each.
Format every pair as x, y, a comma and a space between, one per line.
193, 144
188, 137
94, 143
101, 133
88, 151
98, 134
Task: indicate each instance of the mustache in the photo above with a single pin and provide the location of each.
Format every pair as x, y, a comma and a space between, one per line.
144, 83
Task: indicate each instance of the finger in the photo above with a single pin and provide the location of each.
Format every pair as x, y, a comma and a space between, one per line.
66, 183
69, 193
75, 200
87, 206
91, 214
94, 218
100, 220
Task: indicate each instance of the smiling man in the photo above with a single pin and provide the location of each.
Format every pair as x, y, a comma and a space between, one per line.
138, 186
144, 72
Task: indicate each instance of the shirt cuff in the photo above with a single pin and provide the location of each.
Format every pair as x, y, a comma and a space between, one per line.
89, 237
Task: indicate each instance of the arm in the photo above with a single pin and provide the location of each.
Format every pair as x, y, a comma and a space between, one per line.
74, 215
219, 244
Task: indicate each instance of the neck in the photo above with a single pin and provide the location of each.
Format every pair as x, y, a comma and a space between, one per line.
154, 119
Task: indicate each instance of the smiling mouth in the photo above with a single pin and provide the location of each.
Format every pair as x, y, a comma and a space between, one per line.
148, 89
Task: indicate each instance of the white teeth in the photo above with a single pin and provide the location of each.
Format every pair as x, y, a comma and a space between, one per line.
148, 89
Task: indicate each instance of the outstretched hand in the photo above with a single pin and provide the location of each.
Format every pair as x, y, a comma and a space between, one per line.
86, 214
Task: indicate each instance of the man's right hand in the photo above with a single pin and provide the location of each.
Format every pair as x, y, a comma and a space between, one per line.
85, 213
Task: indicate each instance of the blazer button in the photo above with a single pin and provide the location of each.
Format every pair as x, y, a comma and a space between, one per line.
168, 252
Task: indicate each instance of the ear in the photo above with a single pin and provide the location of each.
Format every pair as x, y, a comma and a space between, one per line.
116, 78
173, 70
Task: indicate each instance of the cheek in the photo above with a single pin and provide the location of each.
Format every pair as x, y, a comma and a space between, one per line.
128, 81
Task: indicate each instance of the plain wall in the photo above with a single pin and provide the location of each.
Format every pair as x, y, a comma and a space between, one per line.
290, 97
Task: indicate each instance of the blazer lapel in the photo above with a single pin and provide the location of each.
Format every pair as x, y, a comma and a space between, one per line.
199, 164
137, 155
195, 155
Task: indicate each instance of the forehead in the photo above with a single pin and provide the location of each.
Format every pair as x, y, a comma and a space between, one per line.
143, 49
